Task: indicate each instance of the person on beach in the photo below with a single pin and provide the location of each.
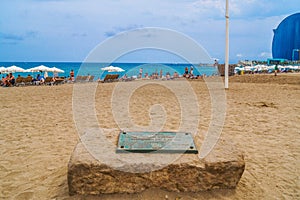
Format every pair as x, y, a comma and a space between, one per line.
186, 71
36, 80
216, 63
140, 72
276, 69
5, 82
55, 74
175, 75
2, 81
146, 75
11, 79
72, 74
168, 76
41, 79
192, 71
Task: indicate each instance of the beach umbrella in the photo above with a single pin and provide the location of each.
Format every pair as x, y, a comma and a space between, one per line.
40, 68
112, 69
13, 69
2, 69
293, 67
57, 70
247, 68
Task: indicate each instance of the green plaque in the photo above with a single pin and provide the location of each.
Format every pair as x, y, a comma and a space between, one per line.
156, 142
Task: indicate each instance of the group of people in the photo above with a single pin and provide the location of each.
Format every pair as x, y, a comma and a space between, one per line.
187, 73
159, 75
156, 75
8, 80
39, 80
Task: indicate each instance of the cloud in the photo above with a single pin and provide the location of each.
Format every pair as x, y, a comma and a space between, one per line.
265, 55
9, 43
79, 35
109, 33
11, 37
31, 34
239, 55
254, 9
119, 29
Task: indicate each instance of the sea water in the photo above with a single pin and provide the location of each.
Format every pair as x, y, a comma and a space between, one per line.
130, 69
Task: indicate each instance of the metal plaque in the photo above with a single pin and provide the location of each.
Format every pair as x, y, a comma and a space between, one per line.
156, 142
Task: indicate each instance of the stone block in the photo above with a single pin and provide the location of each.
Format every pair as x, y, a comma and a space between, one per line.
93, 170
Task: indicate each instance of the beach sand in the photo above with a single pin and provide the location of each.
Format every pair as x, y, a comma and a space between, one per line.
38, 135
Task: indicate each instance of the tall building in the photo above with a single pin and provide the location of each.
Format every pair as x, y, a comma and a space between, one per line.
286, 40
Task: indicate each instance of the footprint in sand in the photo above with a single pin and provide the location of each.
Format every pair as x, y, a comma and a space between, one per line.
24, 196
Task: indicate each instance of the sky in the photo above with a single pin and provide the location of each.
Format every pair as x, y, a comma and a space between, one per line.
68, 30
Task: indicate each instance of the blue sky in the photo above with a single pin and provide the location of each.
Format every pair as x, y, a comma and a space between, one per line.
67, 30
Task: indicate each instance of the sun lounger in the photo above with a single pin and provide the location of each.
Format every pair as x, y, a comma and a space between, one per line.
78, 79
82, 79
20, 81
49, 81
28, 80
59, 81
85, 79
91, 78
110, 78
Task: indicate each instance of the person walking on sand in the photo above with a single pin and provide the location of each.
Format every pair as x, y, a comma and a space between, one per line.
72, 74
276, 69
141, 73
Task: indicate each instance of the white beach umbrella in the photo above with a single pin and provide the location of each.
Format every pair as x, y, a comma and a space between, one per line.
39, 68
248, 68
57, 70
271, 67
13, 69
264, 67
112, 69
2, 69
294, 67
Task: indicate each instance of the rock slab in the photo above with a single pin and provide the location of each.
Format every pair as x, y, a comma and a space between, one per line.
94, 170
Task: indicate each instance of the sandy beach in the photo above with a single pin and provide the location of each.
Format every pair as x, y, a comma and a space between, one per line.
38, 135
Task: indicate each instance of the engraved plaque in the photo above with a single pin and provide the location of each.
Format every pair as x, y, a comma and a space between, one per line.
156, 142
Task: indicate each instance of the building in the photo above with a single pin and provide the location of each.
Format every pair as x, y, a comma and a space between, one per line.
286, 40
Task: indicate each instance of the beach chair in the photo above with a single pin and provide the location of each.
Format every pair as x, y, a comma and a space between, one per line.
91, 79
106, 78
85, 79
59, 81
28, 80
78, 79
19, 81
110, 78
49, 81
